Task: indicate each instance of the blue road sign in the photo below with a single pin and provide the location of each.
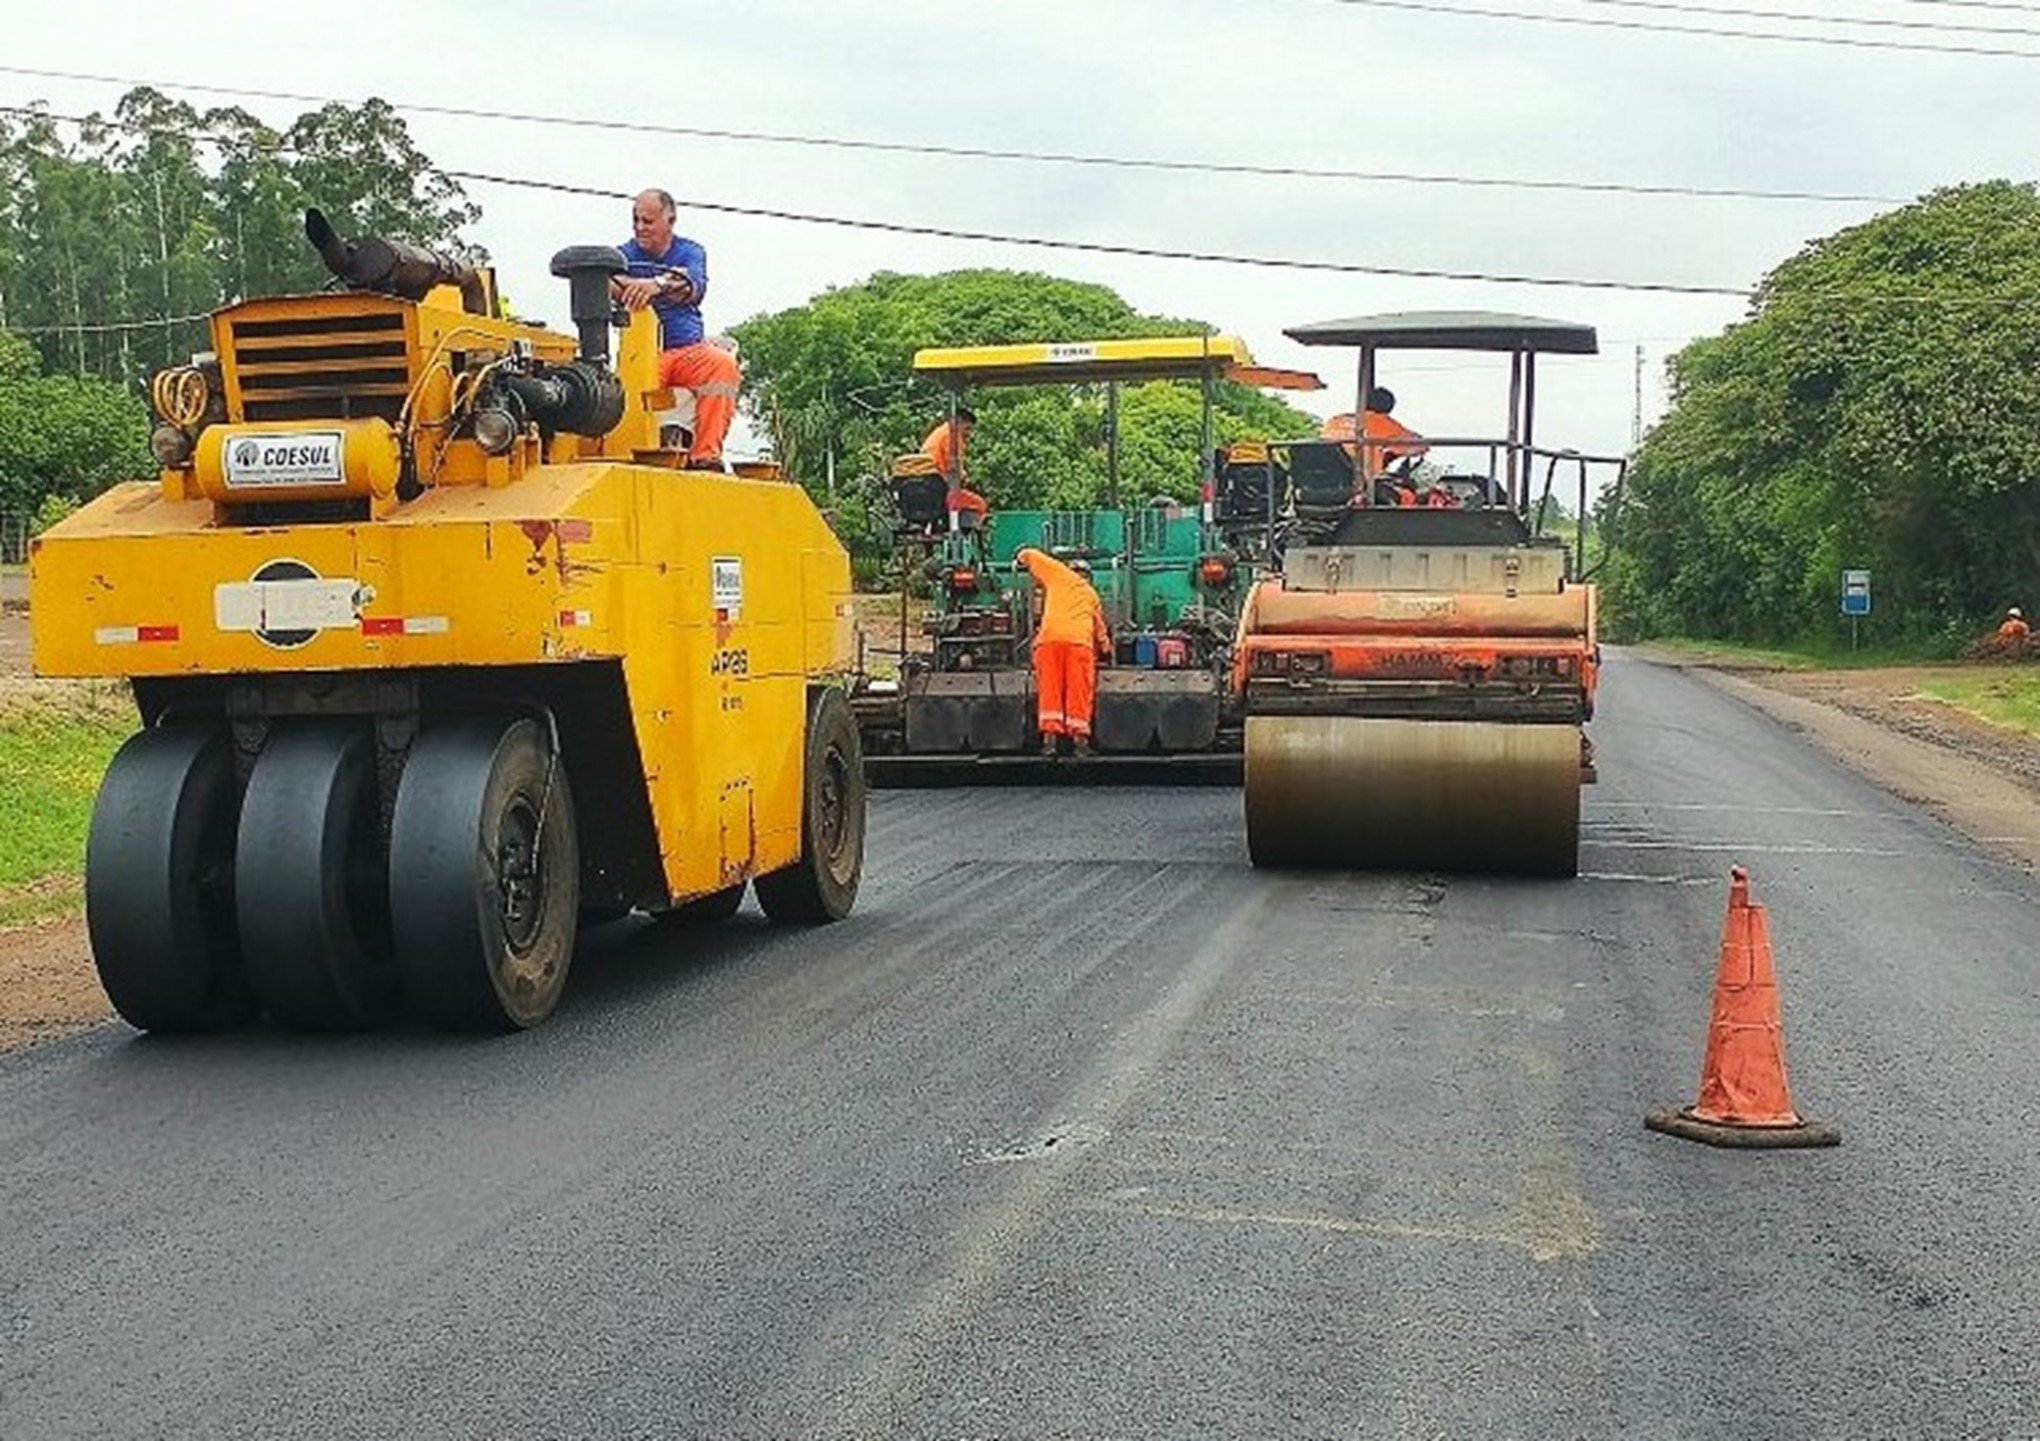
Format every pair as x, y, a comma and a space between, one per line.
1855, 592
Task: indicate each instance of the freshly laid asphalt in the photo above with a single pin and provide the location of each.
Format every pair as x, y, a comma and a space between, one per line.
1082, 1127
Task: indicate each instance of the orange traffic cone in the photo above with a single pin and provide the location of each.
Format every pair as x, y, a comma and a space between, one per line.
1744, 1100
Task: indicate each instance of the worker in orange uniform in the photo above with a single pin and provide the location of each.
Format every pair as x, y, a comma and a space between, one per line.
1071, 638
670, 273
2014, 626
945, 445
1388, 439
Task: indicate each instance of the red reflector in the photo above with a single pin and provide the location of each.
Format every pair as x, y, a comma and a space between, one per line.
963, 579
382, 625
156, 632
1215, 572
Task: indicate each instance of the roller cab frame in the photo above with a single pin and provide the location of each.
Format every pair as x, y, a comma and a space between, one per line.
1416, 680
438, 653
1171, 577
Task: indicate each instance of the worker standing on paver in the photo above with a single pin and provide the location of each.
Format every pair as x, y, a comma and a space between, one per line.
2014, 627
1067, 645
945, 445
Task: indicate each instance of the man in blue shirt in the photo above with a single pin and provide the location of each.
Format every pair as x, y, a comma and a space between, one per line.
670, 273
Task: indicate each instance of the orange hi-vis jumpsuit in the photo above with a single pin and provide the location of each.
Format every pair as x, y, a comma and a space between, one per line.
1072, 636
1388, 440
948, 460
713, 375
936, 447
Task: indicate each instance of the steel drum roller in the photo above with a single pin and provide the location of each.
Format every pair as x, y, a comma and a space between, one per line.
1358, 793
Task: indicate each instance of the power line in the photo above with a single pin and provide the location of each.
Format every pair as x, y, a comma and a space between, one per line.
107, 328
1658, 27
1143, 252
2024, 7
1004, 238
1109, 248
972, 152
1738, 12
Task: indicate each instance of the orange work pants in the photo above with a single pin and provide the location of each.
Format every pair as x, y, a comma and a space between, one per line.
711, 373
1065, 687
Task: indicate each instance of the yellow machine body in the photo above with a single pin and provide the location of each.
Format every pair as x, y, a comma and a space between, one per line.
410, 564
586, 562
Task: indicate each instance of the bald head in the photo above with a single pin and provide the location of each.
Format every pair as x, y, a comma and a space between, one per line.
651, 220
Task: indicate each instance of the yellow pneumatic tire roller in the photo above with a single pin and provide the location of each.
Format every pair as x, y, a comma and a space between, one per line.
1360, 793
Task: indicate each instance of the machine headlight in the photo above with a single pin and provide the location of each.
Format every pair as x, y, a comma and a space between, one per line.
495, 430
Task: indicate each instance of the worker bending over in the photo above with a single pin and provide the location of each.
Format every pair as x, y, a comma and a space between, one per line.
945, 446
1387, 439
670, 273
1067, 645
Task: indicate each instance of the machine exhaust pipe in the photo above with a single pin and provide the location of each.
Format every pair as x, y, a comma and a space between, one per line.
391, 267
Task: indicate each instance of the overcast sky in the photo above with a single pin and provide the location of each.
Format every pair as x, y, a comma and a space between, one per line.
1346, 84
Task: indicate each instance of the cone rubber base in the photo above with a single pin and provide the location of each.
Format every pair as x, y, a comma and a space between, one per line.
1685, 1124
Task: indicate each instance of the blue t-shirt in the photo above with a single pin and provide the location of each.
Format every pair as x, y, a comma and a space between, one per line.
679, 320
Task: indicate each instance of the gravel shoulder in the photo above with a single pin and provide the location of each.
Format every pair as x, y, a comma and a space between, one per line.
1982, 779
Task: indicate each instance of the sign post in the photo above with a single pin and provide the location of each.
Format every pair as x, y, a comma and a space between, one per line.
1855, 600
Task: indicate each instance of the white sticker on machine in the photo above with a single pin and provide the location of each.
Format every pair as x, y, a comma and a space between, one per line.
726, 585
296, 457
285, 603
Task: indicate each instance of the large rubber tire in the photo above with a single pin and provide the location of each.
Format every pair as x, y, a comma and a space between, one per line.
822, 884
159, 900
309, 880
484, 875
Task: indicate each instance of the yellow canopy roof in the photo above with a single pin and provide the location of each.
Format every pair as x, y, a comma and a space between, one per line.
1083, 362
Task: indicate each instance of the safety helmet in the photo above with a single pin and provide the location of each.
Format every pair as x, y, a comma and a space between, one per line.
2016, 613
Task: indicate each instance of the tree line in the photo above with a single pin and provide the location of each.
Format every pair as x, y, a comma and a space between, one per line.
1878, 409
832, 384
116, 231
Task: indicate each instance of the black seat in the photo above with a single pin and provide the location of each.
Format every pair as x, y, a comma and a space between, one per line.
1246, 474
922, 500
1321, 472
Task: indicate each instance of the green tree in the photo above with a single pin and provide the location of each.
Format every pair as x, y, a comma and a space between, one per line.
1879, 408
112, 229
834, 378
63, 437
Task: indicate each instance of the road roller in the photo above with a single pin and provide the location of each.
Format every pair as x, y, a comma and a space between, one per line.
439, 652
1416, 680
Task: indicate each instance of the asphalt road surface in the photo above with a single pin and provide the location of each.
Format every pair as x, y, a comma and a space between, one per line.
1080, 1127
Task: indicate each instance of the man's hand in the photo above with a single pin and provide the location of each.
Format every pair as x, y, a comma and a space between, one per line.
635, 292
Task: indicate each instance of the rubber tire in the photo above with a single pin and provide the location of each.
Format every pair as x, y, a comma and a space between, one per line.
159, 902
309, 880
822, 885
461, 967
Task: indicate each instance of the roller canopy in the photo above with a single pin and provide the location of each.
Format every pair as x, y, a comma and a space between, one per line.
1452, 330
1088, 361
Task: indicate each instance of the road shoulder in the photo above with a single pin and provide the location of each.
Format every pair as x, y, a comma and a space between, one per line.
1981, 779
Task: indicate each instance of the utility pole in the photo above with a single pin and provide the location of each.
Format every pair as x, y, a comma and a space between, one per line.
1636, 406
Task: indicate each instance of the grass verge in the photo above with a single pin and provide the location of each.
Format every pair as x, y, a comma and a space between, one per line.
2008, 697
1730, 654
53, 749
